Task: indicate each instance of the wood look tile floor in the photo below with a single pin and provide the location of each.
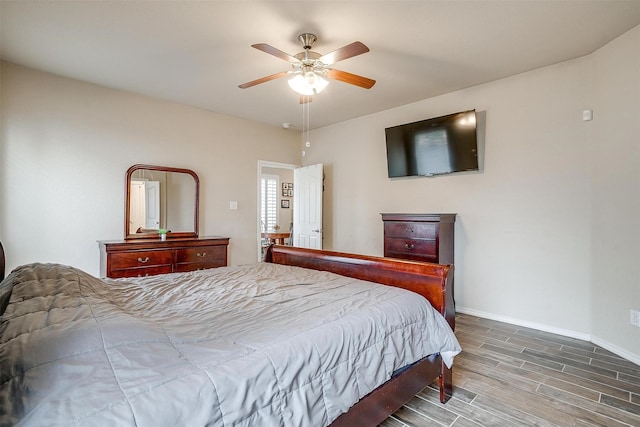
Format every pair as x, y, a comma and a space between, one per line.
507, 375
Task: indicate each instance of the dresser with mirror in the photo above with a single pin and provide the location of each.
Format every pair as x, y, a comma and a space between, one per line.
161, 227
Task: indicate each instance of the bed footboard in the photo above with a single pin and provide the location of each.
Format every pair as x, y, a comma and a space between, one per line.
433, 281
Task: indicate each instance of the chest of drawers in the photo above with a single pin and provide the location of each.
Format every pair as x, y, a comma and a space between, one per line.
419, 237
136, 258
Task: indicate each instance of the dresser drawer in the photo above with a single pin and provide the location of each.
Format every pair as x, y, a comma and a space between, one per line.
142, 271
201, 257
414, 256
424, 248
411, 230
141, 259
201, 254
192, 266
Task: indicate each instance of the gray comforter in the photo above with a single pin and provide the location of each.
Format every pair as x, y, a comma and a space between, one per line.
257, 345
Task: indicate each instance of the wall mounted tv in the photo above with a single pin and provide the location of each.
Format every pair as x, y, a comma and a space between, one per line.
436, 146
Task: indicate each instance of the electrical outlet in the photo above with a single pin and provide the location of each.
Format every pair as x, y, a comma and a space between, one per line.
635, 318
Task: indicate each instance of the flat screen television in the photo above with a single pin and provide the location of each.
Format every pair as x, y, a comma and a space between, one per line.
436, 146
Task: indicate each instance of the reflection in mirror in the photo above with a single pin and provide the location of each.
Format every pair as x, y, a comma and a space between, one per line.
161, 198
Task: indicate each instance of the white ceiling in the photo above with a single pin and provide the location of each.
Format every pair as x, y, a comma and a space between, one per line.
198, 52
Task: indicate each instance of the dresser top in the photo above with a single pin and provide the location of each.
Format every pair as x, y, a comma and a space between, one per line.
430, 217
156, 243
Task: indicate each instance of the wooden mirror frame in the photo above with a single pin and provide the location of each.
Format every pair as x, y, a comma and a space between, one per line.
172, 234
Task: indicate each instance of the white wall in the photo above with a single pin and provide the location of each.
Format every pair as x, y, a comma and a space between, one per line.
615, 167
526, 220
523, 222
66, 146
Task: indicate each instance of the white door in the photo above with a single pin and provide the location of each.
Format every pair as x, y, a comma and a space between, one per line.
307, 207
152, 205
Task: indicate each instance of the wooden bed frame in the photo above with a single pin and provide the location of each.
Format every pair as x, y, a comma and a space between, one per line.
433, 281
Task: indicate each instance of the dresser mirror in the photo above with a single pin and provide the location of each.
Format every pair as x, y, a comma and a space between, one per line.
160, 199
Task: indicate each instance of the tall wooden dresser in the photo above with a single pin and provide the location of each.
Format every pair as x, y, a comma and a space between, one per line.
419, 237
148, 257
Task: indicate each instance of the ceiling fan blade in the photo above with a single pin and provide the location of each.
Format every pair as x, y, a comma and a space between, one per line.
348, 51
275, 52
263, 80
353, 79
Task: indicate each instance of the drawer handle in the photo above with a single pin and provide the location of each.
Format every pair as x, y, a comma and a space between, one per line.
143, 260
409, 229
202, 255
409, 246
146, 275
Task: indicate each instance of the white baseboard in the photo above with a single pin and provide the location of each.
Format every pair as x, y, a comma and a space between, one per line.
625, 354
552, 329
526, 324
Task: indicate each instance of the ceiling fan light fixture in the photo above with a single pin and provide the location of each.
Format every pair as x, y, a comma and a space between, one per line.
308, 84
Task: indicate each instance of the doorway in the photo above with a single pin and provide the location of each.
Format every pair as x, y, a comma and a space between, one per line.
275, 204
289, 205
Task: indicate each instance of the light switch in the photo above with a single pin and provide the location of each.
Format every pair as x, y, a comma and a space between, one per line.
233, 205
587, 115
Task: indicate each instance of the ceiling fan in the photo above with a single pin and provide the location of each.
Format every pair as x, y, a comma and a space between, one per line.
309, 69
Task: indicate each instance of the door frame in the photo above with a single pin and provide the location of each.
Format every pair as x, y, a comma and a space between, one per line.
265, 164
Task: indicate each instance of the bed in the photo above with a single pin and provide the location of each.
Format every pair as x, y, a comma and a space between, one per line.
306, 338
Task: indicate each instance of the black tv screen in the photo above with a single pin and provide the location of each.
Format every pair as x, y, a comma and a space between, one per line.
435, 146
